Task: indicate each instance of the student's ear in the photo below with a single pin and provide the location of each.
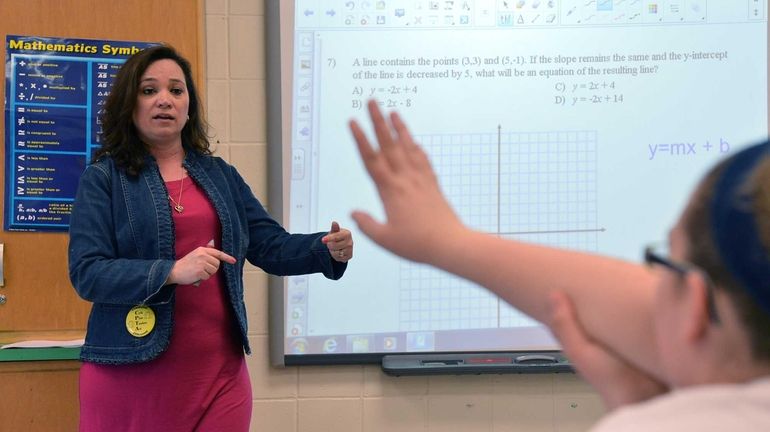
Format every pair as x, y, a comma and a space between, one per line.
696, 306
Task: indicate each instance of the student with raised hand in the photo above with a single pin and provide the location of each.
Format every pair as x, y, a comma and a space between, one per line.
159, 235
679, 344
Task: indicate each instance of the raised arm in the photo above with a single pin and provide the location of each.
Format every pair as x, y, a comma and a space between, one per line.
613, 298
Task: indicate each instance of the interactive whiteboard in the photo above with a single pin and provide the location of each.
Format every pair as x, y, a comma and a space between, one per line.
574, 123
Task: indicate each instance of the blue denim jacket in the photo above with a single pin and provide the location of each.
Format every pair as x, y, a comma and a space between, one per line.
121, 250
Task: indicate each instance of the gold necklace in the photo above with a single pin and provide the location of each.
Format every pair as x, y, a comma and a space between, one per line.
178, 202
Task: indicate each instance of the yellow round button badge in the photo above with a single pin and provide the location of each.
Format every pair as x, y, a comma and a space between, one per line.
140, 321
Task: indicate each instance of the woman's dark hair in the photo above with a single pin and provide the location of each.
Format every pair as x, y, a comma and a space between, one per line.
703, 252
120, 139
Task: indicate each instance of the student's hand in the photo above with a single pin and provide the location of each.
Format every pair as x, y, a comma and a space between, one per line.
198, 265
618, 382
419, 220
340, 243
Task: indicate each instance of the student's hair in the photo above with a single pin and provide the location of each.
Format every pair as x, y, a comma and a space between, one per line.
703, 251
120, 139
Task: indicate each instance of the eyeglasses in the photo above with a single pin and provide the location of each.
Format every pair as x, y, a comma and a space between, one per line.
655, 255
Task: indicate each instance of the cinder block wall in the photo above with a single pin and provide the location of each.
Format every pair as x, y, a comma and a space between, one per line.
352, 398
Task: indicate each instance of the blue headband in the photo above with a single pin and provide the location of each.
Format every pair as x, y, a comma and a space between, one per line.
734, 227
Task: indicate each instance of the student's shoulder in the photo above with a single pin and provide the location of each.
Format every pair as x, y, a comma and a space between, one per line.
702, 408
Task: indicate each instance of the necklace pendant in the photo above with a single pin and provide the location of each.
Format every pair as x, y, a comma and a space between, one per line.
178, 208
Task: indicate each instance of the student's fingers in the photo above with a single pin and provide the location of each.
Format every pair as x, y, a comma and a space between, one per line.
615, 380
370, 227
368, 154
564, 323
335, 227
402, 132
373, 161
558, 309
590, 359
414, 153
391, 149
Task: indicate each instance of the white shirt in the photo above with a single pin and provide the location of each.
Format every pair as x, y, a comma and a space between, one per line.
705, 408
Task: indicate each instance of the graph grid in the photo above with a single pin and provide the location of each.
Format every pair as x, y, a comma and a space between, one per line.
538, 187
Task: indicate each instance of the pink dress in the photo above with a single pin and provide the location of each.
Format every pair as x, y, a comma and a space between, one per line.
201, 382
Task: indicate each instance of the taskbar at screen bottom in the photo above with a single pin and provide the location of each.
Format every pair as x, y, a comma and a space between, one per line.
529, 338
